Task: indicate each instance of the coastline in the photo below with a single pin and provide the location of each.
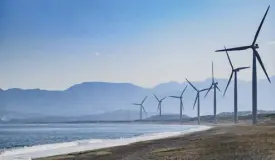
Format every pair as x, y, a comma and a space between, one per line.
224, 142
88, 145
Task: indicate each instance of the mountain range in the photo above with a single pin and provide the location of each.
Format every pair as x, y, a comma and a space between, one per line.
111, 100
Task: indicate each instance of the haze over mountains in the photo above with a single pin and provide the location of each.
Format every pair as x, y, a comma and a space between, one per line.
111, 101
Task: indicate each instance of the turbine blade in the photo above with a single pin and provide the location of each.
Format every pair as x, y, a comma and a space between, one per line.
241, 68
144, 110
261, 63
181, 104
174, 96
143, 100
156, 97
163, 98
228, 83
205, 89
259, 29
195, 101
158, 106
208, 90
218, 88
192, 85
229, 58
235, 49
183, 91
135, 104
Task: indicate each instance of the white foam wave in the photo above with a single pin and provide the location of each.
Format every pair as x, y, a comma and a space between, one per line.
38, 151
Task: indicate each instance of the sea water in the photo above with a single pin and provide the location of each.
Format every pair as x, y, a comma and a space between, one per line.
26, 141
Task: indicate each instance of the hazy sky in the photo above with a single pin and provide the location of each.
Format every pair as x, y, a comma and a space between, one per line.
53, 44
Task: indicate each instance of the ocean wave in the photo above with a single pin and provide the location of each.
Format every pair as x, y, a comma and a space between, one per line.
38, 151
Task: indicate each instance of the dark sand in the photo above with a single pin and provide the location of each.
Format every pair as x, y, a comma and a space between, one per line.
221, 142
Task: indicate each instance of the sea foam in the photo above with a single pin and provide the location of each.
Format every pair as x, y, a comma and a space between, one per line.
39, 151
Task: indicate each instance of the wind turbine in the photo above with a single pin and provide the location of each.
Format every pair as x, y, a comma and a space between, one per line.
235, 72
198, 98
256, 57
159, 103
141, 108
181, 104
215, 86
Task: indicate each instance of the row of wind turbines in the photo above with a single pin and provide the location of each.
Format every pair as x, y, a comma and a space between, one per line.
214, 85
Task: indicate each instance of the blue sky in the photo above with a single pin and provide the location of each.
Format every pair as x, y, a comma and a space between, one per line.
53, 44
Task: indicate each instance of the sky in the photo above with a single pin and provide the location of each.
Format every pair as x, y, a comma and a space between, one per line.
54, 44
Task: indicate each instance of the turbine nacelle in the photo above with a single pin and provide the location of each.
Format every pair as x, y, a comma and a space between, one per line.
256, 46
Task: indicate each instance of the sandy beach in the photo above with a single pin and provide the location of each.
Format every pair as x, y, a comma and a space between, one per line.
62, 148
220, 142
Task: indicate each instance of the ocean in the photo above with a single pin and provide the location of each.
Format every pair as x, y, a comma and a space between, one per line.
35, 139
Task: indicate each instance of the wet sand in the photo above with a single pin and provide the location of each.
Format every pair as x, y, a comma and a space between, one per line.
220, 142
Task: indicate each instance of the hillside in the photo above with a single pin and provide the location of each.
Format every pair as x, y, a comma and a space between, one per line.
95, 98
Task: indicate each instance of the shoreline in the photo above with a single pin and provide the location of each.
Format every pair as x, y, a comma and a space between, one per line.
91, 144
241, 142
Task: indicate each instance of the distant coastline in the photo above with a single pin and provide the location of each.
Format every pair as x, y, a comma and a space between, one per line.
225, 117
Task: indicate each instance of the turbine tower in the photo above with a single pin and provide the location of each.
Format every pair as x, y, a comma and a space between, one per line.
141, 108
215, 87
256, 57
181, 104
235, 72
197, 99
159, 103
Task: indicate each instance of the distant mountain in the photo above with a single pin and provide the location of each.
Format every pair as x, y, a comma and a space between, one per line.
166, 117
169, 86
96, 98
11, 115
81, 99
245, 113
118, 115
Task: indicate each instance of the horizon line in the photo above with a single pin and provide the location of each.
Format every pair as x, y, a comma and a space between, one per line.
151, 87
